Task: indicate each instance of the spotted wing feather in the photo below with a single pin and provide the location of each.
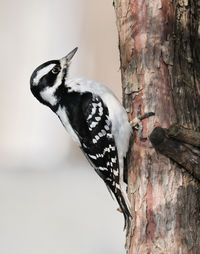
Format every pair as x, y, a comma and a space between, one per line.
100, 147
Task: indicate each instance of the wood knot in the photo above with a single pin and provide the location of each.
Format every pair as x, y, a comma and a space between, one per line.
157, 136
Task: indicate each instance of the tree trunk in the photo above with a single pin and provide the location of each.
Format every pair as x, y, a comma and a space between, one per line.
160, 66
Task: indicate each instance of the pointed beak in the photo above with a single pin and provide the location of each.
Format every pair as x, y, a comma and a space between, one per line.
69, 56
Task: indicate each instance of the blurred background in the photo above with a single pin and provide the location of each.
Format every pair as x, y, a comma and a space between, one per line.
51, 200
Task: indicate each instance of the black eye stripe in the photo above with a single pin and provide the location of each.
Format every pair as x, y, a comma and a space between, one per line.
46, 64
42, 66
56, 69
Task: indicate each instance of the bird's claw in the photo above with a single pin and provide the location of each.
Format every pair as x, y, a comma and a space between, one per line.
136, 123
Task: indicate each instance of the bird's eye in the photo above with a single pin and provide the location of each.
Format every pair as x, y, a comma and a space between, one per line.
55, 69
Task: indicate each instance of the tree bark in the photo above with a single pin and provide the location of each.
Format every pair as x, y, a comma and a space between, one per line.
160, 66
185, 135
184, 154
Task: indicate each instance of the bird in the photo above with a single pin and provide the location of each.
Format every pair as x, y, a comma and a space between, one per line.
94, 118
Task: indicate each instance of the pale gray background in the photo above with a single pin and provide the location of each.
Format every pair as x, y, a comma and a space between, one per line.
51, 200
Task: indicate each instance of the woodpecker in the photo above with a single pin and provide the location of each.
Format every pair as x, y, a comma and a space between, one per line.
94, 118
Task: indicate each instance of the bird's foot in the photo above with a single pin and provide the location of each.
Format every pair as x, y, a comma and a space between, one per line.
119, 209
136, 123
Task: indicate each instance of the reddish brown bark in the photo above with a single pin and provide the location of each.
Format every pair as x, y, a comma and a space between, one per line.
160, 63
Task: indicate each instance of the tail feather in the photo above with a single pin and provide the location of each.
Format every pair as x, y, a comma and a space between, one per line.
124, 207
124, 204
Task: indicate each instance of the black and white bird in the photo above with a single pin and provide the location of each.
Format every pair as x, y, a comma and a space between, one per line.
93, 117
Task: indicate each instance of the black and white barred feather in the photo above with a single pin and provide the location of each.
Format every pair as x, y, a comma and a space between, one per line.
94, 118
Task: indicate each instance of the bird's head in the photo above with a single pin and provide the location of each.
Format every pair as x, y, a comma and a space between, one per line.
47, 77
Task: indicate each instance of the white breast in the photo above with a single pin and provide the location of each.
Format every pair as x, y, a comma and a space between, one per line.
61, 113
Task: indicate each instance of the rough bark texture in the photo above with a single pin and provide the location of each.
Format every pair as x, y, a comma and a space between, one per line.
184, 135
185, 155
160, 65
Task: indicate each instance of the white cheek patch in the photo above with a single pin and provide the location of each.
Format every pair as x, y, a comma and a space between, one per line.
42, 73
48, 95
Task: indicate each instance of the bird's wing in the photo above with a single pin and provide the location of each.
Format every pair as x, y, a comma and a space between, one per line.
100, 147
